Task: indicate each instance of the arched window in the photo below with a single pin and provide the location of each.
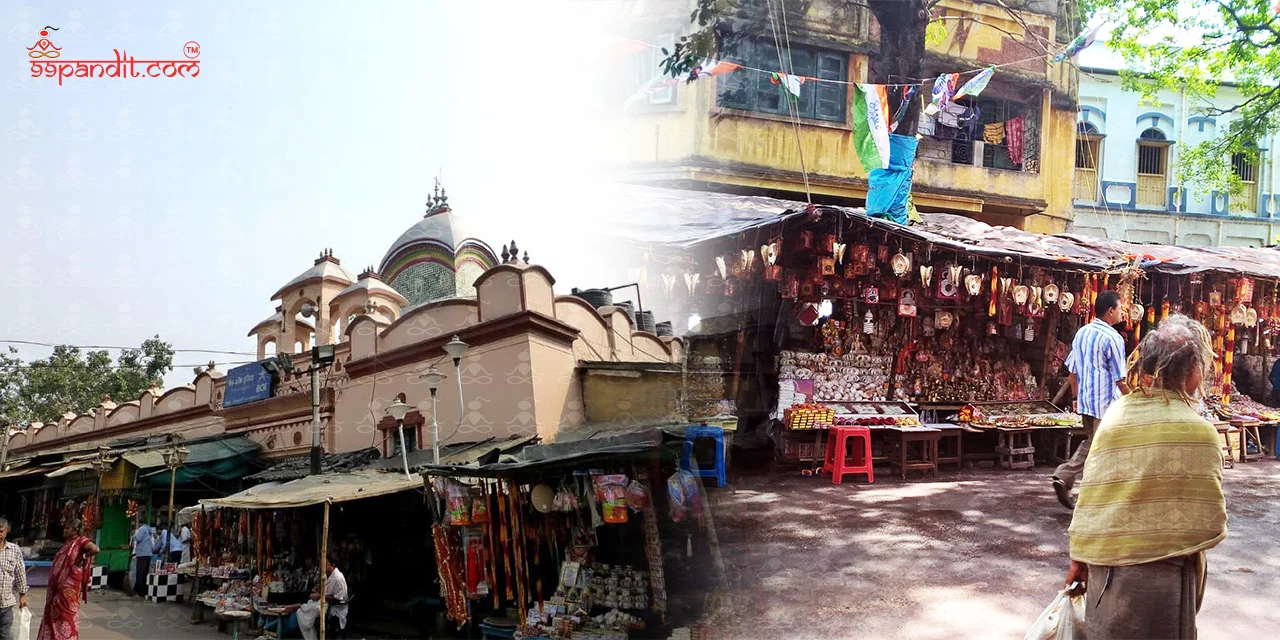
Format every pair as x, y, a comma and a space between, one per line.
1153, 168
1087, 128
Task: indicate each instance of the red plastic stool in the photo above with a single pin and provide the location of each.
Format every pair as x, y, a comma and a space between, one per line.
835, 462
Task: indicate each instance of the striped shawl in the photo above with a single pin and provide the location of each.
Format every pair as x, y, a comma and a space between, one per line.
1152, 485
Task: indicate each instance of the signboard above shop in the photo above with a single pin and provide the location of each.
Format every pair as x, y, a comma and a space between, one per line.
247, 383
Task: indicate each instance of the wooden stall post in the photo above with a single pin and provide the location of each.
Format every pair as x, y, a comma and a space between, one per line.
324, 557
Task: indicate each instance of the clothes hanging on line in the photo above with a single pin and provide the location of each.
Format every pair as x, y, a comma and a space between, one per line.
1013, 131
993, 133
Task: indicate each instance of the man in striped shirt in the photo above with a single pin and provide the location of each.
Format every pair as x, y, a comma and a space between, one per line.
1097, 366
13, 582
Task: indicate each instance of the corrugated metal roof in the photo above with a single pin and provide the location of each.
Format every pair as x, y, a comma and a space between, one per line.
300, 467
455, 454
199, 452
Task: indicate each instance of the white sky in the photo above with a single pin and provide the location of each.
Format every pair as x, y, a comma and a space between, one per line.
177, 206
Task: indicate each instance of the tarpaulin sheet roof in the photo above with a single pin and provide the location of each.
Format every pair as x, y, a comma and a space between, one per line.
456, 454
331, 487
300, 466
546, 457
683, 219
198, 453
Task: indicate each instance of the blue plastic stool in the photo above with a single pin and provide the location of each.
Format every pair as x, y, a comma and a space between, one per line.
691, 434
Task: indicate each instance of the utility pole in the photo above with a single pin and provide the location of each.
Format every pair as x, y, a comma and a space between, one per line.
321, 356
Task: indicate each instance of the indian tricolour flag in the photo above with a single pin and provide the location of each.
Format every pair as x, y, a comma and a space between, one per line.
871, 125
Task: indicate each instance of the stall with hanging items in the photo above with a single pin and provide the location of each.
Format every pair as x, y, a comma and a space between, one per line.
262, 551
567, 542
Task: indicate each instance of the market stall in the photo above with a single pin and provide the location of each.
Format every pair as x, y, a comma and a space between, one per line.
568, 541
260, 551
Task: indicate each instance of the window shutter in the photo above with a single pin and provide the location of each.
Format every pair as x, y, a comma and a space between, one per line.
831, 96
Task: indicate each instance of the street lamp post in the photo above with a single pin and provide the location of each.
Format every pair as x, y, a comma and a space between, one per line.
100, 465
456, 348
175, 457
433, 378
398, 410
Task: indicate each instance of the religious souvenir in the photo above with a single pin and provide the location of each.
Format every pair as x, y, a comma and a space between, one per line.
1245, 290
1029, 334
907, 303
926, 329
773, 273
1251, 318
769, 252
1021, 294
668, 283
992, 329
973, 284
882, 253
851, 270
901, 264
948, 287
872, 295
1006, 285
868, 323
748, 260
1238, 314
1215, 298
806, 239
926, 274
731, 286
1035, 308
1050, 293
691, 281
944, 319
722, 267
1136, 312
827, 266
837, 250
954, 271
806, 289
791, 288
808, 314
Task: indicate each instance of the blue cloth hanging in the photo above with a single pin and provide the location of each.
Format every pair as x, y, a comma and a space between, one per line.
888, 188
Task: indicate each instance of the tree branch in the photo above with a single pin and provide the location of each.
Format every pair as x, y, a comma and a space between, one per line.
1018, 38
1217, 111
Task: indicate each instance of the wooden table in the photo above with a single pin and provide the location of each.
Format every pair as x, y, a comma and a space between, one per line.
901, 439
953, 452
1228, 456
1015, 450
1062, 443
1249, 429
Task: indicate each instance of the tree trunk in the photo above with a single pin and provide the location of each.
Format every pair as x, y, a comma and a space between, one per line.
902, 32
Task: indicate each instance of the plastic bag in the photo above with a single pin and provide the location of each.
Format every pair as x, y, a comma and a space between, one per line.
24, 624
1063, 619
637, 496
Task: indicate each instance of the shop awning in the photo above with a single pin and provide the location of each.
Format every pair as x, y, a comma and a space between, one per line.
24, 470
223, 459
335, 487
601, 449
69, 469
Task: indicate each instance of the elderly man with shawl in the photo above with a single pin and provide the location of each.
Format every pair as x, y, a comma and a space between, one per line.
1151, 503
68, 586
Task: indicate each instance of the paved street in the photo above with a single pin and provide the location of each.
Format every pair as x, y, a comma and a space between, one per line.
978, 555
110, 615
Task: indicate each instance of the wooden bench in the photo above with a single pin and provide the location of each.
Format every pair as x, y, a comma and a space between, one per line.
1015, 450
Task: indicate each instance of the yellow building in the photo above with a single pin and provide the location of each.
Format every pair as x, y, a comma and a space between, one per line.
734, 132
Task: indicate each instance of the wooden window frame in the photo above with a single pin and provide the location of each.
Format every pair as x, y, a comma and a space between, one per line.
1094, 143
1140, 177
744, 90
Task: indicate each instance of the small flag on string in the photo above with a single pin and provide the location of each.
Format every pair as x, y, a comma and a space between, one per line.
1081, 42
943, 88
976, 84
871, 125
712, 68
792, 83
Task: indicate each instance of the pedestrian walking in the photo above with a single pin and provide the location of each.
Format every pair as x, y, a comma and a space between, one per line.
1151, 502
1097, 366
68, 585
13, 582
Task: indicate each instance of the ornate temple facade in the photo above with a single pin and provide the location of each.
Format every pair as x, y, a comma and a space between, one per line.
530, 353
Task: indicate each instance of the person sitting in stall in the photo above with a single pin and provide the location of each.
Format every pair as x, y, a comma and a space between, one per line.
335, 595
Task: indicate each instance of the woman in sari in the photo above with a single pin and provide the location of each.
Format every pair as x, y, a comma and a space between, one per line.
68, 586
1151, 503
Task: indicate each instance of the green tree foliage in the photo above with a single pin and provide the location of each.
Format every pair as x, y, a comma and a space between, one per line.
72, 380
1198, 46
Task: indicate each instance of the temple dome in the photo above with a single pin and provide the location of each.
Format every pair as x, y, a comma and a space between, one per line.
436, 258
